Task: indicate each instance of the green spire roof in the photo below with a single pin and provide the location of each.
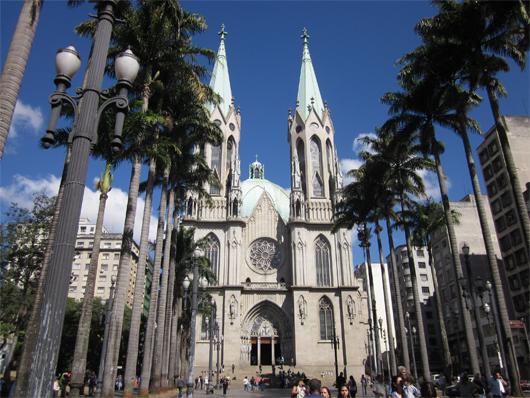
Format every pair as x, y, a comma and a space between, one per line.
220, 82
308, 91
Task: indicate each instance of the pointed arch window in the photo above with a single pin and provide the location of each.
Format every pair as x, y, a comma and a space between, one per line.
230, 150
216, 167
211, 252
322, 261
325, 310
316, 166
301, 158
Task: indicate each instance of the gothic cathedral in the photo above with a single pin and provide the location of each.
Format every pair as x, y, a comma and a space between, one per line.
285, 282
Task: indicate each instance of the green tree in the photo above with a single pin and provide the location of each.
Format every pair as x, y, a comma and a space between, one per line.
23, 239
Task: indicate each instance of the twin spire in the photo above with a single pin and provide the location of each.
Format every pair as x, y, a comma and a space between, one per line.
308, 92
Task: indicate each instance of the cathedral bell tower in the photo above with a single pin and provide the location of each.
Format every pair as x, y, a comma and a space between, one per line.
316, 177
223, 158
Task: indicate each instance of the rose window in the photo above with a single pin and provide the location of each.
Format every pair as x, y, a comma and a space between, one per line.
265, 255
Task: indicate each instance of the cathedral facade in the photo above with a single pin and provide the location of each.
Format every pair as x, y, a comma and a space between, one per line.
285, 282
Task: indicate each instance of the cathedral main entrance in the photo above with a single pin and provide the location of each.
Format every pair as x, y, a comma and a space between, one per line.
265, 335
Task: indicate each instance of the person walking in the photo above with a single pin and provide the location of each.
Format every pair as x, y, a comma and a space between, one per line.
379, 387
225, 385
442, 383
352, 386
180, 385
363, 383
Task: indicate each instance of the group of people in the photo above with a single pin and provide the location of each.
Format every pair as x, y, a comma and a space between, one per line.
254, 383
479, 387
312, 388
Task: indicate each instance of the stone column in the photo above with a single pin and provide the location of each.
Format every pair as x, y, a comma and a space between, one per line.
259, 350
272, 350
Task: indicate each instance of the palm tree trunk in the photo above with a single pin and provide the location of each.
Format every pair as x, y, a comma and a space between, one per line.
388, 305
153, 302
139, 289
513, 368
168, 265
161, 310
439, 309
373, 329
15, 65
176, 333
468, 328
172, 302
417, 302
116, 318
83, 330
30, 339
397, 293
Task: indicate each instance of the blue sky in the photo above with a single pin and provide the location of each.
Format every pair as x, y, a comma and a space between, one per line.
353, 46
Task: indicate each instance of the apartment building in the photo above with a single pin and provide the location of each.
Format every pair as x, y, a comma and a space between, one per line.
514, 250
108, 263
428, 307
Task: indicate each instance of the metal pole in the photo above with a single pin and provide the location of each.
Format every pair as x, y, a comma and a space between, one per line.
497, 324
56, 292
218, 359
412, 349
193, 326
105, 336
210, 364
335, 342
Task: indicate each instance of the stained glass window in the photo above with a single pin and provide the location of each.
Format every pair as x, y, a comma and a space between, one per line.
322, 254
326, 319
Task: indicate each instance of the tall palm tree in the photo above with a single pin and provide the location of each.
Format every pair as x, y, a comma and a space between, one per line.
424, 218
423, 104
15, 64
400, 158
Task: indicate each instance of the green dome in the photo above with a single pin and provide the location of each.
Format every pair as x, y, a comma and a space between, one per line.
252, 190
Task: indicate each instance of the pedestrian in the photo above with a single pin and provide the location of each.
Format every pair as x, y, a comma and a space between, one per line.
119, 382
480, 382
428, 390
324, 391
180, 384
91, 384
292, 362
245, 384
363, 383
260, 368
225, 385
496, 384
56, 387
465, 387
352, 386
299, 390
344, 391
233, 368
379, 387
397, 387
442, 382
409, 390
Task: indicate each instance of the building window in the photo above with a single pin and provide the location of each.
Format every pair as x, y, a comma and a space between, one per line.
322, 260
514, 282
420, 253
116, 256
405, 265
216, 167
488, 172
492, 189
516, 237
80, 244
520, 256
444, 243
506, 199
524, 276
101, 290
211, 252
497, 164
505, 243
452, 290
484, 156
404, 255
73, 289
406, 278
92, 230
493, 147
316, 166
85, 277
114, 267
74, 278
509, 262
87, 266
102, 278
447, 260
423, 277
428, 315
326, 319
105, 256
83, 289
90, 244
450, 275
519, 302
433, 341
496, 206
408, 290
510, 217
82, 229
107, 245
425, 290
502, 181
500, 224
104, 267
77, 266
422, 264
118, 245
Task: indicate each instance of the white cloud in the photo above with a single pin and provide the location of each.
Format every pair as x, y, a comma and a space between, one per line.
21, 192
26, 118
349, 164
432, 186
358, 146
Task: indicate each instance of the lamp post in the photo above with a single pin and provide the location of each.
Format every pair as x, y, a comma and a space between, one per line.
193, 318
471, 296
106, 332
214, 325
493, 303
383, 335
370, 353
218, 342
83, 136
413, 331
335, 342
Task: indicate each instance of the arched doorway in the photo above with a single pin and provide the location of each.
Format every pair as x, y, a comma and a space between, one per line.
265, 335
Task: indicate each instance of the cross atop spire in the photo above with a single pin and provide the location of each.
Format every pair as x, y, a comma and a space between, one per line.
305, 36
223, 32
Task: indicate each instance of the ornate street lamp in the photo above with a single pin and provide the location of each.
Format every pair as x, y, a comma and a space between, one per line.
83, 136
471, 297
